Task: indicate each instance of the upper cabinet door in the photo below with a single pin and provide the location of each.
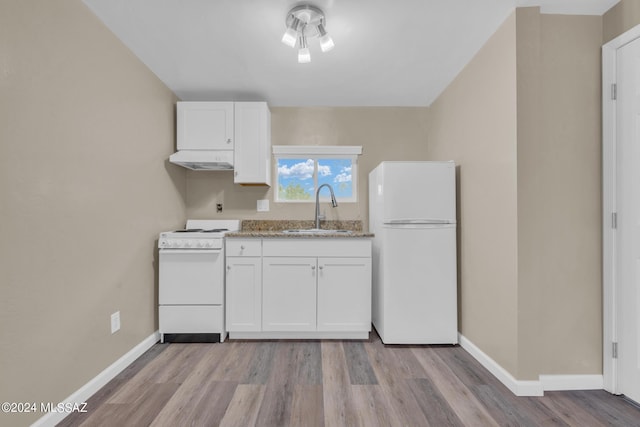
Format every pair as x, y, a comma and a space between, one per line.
205, 126
252, 159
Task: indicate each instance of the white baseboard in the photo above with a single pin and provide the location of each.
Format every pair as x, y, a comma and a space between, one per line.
517, 387
532, 388
572, 382
99, 381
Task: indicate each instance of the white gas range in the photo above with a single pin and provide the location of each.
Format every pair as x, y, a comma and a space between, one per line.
191, 281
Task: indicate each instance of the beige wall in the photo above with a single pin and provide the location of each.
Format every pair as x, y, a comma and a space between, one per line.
383, 133
474, 123
529, 193
620, 18
559, 194
85, 131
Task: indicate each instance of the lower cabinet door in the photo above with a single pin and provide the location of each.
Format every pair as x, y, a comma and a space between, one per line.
289, 294
244, 294
344, 294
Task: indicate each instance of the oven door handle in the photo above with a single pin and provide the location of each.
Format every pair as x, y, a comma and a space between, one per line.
193, 251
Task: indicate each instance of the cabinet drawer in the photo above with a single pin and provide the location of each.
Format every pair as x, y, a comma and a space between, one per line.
244, 247
317, 247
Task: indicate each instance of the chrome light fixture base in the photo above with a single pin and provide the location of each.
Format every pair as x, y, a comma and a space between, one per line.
310, 16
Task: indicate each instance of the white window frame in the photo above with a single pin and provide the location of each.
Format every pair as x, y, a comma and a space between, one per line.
316, 152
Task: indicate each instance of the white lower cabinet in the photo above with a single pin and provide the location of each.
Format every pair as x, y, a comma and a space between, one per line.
244, 294
244, 285
289, 294
308, 288
344, 294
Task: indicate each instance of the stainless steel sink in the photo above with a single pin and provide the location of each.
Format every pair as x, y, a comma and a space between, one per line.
316, 231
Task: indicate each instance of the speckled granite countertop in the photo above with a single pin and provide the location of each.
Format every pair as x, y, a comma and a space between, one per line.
274, 229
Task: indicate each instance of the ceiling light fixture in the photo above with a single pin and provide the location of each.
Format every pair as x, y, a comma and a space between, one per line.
304, 22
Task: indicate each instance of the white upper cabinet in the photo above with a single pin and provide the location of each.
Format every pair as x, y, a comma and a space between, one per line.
205, 125
238, 133
252, 155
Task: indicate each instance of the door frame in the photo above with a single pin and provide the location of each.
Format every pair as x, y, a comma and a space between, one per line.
610, 285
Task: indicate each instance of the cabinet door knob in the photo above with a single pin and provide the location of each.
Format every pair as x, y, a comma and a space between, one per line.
228, 140
228, 267
320, 267
313, 267
242, 247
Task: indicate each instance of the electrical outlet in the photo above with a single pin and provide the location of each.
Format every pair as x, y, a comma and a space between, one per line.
115, 322
263, 205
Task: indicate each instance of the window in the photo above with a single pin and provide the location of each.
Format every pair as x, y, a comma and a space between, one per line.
300, 170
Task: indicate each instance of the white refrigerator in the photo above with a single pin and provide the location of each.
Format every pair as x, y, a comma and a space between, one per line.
412, 211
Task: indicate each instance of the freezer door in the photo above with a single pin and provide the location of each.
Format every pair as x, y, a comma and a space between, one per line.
414, 190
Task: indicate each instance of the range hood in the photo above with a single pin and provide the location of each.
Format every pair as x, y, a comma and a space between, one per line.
212, 160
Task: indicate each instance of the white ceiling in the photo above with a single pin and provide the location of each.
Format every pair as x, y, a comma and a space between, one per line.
388, 53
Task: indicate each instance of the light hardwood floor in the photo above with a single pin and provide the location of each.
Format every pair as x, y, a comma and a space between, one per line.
331, 383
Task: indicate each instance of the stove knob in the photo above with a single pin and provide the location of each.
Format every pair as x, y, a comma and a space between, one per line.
209, 244
187, 244
177, 243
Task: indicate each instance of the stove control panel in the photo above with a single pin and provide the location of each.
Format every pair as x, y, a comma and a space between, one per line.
167, 242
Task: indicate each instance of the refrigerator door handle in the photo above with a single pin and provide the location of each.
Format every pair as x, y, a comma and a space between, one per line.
418, 221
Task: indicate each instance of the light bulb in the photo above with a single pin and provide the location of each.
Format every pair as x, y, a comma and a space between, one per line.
326, 42
304, 56
289, 37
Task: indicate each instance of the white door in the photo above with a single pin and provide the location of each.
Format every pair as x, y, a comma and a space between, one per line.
344, 294
244, 294
628, 231
417, 190
205, 126
252, 154
190, 277
419, 283
288, 294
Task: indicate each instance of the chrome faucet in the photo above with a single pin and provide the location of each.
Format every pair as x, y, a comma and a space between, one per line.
334, 203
